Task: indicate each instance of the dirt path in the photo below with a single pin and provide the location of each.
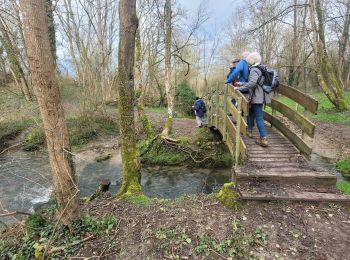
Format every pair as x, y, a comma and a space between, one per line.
181, 126
201, 228
332, 140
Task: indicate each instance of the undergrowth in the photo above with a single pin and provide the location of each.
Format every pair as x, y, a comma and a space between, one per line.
34, 241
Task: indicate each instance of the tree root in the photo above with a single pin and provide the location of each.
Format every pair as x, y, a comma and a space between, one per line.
191, 153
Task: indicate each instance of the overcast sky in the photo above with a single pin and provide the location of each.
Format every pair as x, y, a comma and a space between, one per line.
218, 10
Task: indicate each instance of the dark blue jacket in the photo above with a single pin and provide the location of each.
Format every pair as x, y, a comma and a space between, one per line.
241, 71
198, 107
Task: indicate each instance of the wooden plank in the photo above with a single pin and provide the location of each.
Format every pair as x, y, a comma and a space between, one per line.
297, 196
234, 112
235, 95
301, 98
301, 121
232, 133
294, 138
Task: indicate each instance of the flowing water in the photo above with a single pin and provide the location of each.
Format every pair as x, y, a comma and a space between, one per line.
25, 180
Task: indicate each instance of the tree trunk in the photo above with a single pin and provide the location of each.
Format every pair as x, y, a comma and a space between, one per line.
51, 28
130, 157
292, 68
327, 78
14, 60
343, 43
168, 88
147, 127
47, 92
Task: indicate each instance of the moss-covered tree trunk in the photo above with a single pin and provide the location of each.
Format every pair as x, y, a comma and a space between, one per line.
47, 92
330, 84
126, 96
168, 87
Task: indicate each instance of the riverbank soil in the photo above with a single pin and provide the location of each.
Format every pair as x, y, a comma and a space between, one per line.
199, 227
332, 140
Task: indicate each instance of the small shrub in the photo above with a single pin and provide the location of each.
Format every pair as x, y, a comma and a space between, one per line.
344, 167
34, 140
185, 98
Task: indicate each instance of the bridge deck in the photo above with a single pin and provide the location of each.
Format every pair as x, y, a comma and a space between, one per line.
279, 172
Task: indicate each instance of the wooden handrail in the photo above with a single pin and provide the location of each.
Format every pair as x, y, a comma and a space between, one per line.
308, 102
293, 137
301, 121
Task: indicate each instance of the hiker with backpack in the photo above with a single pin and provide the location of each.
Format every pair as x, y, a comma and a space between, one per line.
260, 84
199, 110
239, 73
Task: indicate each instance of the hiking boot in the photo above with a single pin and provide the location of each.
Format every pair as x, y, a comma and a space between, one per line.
262, 142
250, 133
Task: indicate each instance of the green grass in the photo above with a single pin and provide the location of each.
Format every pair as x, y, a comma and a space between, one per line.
9, 130
344, 186
326, 111
344, 167
162, 110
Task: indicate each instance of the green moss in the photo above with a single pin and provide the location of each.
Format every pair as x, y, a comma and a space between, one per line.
344, 167
344, 186
160, 154
228, 196
203, 149
141, 200
103, 157
34, 140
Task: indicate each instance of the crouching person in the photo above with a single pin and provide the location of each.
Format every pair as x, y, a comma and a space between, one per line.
258, 97
199, 110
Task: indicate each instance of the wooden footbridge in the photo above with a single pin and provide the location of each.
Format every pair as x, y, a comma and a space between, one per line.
280, 171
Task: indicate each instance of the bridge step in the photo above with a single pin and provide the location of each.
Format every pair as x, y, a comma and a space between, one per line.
267, 165
302, 177
297, 196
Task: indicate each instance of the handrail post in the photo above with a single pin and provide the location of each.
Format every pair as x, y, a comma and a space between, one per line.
238, 133
217, 103
224, 134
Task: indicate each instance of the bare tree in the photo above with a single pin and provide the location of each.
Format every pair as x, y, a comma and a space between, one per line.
168, 87
130, 157
47, 92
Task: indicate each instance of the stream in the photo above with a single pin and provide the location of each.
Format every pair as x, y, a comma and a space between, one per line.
25, 179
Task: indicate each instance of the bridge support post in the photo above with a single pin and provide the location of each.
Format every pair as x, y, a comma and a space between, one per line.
224, 134
210, 114
238, 133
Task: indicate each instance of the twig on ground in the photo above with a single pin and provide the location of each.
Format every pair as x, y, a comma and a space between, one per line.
61, 248
15, 213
